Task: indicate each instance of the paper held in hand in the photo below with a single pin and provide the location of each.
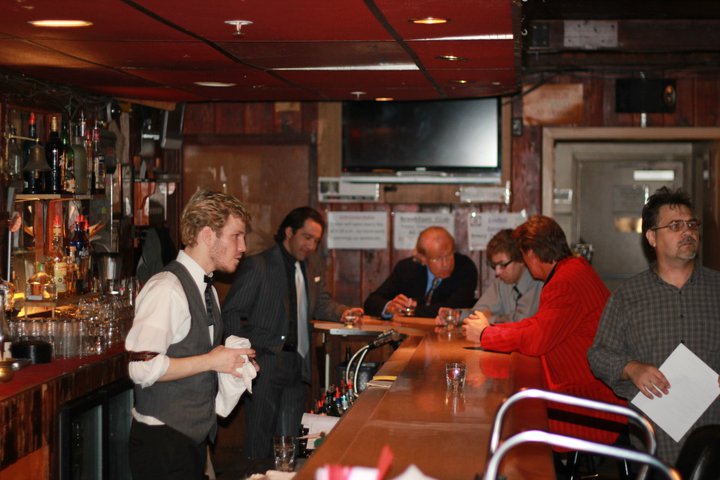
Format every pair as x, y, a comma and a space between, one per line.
693, 387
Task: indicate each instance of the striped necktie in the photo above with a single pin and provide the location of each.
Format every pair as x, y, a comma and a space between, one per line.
433, 287
209, 301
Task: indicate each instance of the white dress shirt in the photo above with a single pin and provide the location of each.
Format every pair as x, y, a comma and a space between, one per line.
162, 318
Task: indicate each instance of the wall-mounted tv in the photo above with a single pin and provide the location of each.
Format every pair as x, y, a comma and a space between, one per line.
433, 141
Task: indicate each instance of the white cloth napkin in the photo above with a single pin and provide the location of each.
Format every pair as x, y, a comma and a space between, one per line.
231, 388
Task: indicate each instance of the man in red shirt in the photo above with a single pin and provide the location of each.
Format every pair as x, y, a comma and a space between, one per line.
562, 330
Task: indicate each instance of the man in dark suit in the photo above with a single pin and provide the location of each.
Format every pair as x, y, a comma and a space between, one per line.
274, 295
435, 276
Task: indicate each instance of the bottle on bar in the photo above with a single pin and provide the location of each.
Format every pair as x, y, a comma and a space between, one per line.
68, 164
54, 156
89, 153
98, 163
81, 164
56, 265
34, 178
15, 162
5, 333
81, 246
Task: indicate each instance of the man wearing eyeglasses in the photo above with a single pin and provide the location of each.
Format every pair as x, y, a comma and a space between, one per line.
436, 276
513, 294
675, 301
561, 331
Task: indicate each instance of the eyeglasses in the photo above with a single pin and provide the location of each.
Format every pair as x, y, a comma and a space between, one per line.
502, 265
443, 259
679, 225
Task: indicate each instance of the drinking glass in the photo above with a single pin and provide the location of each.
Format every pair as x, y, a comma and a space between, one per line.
284, 450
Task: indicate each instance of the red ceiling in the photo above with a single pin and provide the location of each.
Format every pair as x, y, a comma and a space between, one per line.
156, 49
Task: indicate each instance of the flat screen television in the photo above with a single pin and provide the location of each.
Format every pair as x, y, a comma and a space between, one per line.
446, 140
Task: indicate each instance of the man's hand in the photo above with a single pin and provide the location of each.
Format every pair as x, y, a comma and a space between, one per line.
228, 360
647, 378
400, 303
352, 315
474, 325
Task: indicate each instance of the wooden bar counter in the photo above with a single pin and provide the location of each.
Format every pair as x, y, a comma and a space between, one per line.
445, 435
31, 401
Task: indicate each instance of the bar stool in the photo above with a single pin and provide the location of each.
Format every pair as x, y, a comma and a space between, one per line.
553, 439
533, 393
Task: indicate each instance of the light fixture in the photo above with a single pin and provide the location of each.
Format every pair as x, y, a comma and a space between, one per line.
384, 99
60, 23
357, 94
462, 81
215, 84
238, 24
429, 21
451, 58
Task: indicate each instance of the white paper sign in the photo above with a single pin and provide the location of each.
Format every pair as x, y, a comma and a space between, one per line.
693, 387
408, 225
357, 230
483, 225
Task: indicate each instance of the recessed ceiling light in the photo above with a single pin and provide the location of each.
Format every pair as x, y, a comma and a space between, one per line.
214, 84
60, 23
429, 21
451, 58
496, 83
384, 99
462, 81
238, 24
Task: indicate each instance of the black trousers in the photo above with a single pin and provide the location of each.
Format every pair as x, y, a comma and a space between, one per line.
161, 452
276, 405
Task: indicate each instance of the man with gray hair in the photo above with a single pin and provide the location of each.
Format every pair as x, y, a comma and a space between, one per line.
435, 276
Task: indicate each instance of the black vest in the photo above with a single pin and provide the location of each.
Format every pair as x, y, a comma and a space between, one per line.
188, 404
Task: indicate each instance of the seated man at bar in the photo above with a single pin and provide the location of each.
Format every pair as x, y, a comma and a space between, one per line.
272, 299
513, 294
174, 344
562, 329
675, 301
435, 276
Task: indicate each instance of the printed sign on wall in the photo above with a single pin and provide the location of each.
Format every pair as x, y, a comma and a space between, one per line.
357, 230
483, 225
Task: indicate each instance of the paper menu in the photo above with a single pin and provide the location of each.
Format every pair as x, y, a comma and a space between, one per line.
693, 387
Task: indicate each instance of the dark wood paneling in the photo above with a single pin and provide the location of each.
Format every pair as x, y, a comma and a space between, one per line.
229, 118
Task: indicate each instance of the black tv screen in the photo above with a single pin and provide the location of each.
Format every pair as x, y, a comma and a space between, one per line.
449, 136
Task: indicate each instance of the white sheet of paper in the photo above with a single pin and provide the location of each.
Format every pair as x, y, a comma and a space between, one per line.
693, 387
316, 424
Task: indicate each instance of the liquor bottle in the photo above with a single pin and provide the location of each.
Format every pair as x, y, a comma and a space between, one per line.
56, 265
15, 162
5, 334
82, 185
81, 245
68, 172
54, 155
89, 152
35, 165
98, 163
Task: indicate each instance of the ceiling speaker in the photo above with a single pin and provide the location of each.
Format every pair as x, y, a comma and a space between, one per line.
645, 95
